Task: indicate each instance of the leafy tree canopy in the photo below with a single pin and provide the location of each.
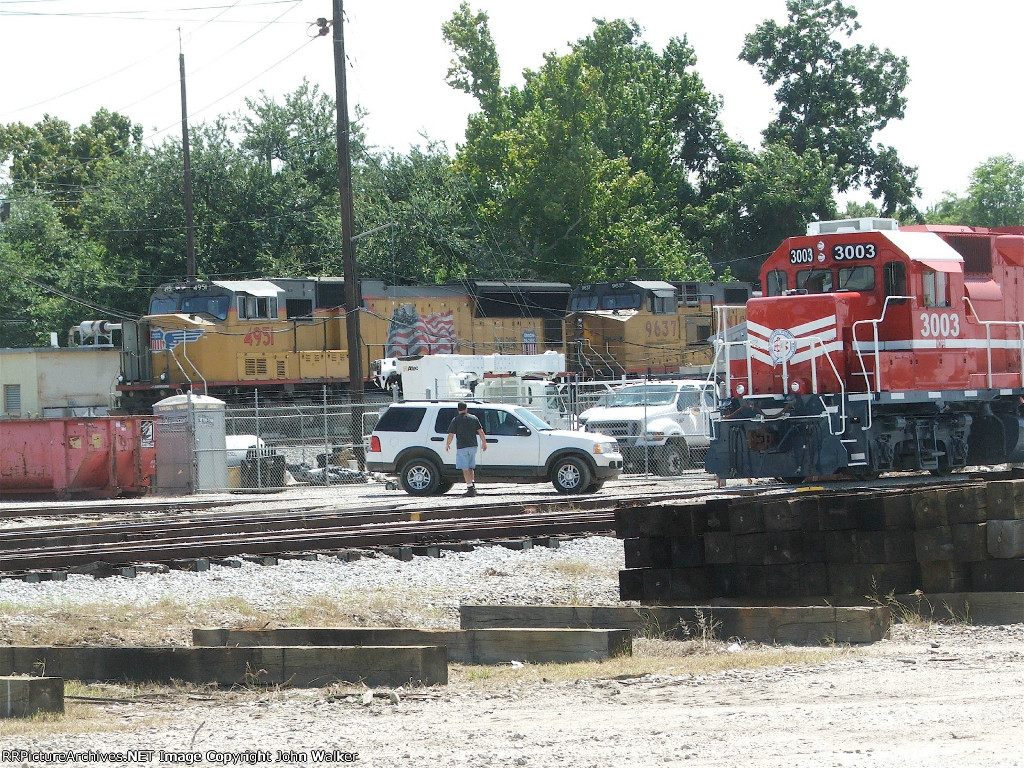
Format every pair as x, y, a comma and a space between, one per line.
52, 158
995, 197
582, 173
834, 97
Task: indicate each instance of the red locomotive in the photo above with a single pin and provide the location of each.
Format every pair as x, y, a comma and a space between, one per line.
876, 348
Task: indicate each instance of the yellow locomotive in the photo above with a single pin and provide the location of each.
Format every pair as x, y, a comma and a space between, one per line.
287, 337
641, 327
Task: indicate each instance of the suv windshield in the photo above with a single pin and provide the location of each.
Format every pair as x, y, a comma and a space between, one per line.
642, 394
532, 419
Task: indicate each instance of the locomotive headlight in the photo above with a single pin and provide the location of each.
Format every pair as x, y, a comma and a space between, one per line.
799, 387
741, 389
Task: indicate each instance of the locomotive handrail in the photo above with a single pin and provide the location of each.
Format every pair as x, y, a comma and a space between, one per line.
874, 343
722, 343
814, 379
1019, 325
184, 373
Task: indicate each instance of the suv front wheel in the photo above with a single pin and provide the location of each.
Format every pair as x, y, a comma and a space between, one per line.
570, 475
420, 477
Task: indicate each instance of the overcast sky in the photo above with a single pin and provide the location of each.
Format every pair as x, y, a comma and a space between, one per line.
69, 58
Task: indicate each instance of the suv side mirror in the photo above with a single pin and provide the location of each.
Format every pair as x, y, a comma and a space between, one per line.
523, 431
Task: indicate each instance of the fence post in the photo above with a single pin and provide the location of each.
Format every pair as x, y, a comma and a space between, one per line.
259, 451
327, 440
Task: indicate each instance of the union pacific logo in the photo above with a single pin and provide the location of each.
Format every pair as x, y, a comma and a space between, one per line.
159, 339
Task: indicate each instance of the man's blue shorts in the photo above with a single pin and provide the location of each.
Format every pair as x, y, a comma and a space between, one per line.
465, 458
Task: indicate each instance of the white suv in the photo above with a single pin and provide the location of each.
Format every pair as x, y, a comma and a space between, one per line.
660, 425
409, 440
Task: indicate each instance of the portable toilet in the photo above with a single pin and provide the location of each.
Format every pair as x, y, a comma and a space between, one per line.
191, 445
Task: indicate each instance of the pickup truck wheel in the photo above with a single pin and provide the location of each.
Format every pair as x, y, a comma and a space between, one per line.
674, 459
570, 475
420, 477
595, 486
444, 486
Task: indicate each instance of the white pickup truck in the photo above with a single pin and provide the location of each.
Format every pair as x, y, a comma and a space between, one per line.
660, 426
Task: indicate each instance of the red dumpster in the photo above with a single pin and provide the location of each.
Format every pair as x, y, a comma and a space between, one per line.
103, 456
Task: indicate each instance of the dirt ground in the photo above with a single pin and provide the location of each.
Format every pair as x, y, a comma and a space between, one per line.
932, 695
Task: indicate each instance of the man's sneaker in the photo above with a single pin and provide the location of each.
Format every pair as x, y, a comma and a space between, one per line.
471, 490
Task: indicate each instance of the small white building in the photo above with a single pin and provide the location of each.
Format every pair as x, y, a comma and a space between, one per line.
57, 381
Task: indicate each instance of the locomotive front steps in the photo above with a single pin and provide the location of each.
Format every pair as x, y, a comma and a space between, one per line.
841, 547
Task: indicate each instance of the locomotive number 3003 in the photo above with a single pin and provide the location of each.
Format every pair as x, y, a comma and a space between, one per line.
853, 251
801, 255
935, 325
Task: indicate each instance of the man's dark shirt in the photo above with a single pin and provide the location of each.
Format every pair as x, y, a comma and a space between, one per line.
465, 426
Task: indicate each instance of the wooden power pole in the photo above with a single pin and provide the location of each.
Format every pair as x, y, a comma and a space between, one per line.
353, 297
190, 226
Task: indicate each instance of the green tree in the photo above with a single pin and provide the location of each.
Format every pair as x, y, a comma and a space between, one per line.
765, 197
53, 278
856, 210
416, 206
585, 171
834, 97
51, 158
995, 197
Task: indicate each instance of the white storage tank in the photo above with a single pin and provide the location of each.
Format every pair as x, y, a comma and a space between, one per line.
191, 445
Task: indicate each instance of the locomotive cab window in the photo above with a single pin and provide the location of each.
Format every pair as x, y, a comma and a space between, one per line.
777, 282
217, 306
585, 303
257, 308
935, 288
856, 279
895, 276
662, 303
162, 305
814, 280
621, 301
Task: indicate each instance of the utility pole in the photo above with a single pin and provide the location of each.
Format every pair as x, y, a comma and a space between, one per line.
353, 297
190, 227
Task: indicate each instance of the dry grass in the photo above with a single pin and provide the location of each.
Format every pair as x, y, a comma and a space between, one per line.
577, 569
170, 622
101, 708
650, 657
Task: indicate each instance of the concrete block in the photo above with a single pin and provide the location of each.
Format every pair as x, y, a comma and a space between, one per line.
25, 696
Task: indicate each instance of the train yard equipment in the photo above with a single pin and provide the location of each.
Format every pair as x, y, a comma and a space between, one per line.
287, 338
875, 348
644, 327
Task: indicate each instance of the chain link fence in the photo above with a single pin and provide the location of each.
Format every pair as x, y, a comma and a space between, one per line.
271, 444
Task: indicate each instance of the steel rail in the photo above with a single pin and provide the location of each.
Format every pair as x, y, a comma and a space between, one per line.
342, 537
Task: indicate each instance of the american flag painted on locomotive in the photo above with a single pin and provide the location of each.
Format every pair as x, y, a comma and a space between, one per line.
774, 346
410, 333
159, 339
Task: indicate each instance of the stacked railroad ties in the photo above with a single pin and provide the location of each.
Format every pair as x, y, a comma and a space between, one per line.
967, 538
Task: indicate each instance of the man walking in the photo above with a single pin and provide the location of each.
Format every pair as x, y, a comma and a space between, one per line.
464, 428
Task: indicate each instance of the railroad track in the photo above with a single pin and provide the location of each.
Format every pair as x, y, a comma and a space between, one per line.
277, 532
290, 529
